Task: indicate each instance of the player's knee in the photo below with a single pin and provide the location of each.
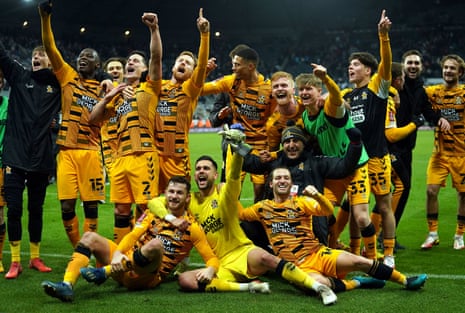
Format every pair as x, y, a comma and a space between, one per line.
432, 191
89, 238
68, 206
268, 260
123, 209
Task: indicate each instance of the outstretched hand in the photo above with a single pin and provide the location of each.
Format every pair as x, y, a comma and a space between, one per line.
202, 23
384, 24
211, 65
319, 71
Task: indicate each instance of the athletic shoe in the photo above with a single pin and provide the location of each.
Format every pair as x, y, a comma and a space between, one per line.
458, 242
257, 286
1, 267
327, 295
39, 265
370, 282
389, 261
416, 282
94, 275
431, 240
60, 290
14, 271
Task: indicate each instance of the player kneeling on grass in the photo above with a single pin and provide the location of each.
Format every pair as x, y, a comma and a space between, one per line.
145, 256
287, 221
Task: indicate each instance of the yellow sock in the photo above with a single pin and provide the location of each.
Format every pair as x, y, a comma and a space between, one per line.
295, 275
460, 228
389, 246
350, 284
376, 220
223, 285
90, 224
72, 273
72, 230
433, 225
370, 247
107, 269
34, 248
15, 247
398, 277
355, 245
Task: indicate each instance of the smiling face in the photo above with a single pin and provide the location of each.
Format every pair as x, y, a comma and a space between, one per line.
293, 148
413, 66
451, 72
309, 95
282, 182
88, 62
177, 197
282, 90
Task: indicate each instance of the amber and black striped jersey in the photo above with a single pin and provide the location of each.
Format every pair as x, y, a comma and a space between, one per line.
451, 104
108, 132
78, 98
176, 244
176, 106
136, 119
368, 103
174, 116
288, 225
251, 105
277, 122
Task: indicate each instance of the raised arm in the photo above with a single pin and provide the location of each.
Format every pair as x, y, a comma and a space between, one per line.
333, 103
200, 72
156, 50
384, 68
48, 40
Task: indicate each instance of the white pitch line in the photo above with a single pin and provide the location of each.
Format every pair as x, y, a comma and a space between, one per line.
438, 276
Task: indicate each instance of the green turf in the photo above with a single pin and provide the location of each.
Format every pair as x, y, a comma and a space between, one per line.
442, 293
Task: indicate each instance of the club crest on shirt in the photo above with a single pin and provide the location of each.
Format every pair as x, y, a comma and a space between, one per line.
177, 235
214, 204
291, 214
